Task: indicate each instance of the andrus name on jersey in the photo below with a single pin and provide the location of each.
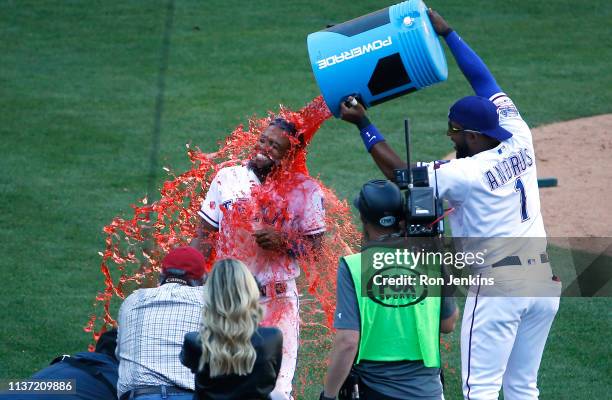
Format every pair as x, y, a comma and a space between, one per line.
508, 168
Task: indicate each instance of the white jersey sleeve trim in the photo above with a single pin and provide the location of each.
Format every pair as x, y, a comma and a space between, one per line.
506, 109
208, 219
511, 120
314, 231
497, 96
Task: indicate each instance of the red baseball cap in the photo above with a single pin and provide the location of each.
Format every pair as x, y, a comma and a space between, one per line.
185, 259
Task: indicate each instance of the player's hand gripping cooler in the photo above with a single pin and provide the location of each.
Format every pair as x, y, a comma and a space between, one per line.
377, 57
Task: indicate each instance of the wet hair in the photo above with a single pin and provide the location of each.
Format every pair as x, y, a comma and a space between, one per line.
288, 127
284, 125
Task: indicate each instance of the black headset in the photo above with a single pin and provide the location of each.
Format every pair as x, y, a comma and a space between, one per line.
380, 202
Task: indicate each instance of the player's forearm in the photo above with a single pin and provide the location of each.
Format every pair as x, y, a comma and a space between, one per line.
202, 246
387, 159
195, 243
202, 242
340, 365
472, 66
383, 155
308, 244
447, 325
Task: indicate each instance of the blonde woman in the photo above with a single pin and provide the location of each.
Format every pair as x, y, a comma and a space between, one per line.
232, 357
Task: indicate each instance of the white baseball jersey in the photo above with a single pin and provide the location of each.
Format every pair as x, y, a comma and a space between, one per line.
495, 193
304, 213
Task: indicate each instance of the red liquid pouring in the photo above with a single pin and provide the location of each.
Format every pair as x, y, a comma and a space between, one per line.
134, 247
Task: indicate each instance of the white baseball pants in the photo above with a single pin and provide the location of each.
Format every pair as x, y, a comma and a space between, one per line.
503, 333
282, 311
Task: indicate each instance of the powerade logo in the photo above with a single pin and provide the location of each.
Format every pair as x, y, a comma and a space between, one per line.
354, 52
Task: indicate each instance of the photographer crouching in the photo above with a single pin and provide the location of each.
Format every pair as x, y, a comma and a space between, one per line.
386, 347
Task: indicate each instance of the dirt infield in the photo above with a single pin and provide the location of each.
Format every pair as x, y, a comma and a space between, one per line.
579, 154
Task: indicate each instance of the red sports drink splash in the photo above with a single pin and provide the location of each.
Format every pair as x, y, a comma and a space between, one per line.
134, 247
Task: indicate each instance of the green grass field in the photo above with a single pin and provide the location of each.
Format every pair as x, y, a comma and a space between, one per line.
78, 89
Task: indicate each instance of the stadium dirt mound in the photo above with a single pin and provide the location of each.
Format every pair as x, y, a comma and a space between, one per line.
577, 153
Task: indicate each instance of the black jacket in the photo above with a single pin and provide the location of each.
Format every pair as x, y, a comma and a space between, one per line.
268, 344
94, 377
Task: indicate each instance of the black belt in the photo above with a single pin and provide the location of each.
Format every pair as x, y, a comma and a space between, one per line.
515, 260
153, 390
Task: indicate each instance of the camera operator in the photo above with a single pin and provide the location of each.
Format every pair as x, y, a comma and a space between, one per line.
393, 351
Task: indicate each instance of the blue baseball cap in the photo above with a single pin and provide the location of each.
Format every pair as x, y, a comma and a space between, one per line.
478, 114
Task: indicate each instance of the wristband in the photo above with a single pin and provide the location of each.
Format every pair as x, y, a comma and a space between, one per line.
322, 397
370, 136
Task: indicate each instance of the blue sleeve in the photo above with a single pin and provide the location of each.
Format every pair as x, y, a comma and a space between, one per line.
347, 309
474, 69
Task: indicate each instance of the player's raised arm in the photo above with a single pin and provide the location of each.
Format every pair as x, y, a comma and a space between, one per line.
384, 156
472, 66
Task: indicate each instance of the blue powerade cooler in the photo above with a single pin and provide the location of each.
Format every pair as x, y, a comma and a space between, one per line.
379, 56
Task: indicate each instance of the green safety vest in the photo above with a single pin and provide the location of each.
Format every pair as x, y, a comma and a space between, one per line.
396, 331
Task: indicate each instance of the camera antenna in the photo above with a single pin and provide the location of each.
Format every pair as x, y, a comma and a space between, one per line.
407, 139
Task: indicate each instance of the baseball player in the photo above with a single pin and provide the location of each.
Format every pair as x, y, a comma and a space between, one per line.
493, 187
265, 216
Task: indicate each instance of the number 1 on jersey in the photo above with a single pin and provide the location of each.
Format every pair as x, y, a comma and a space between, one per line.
519, 187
